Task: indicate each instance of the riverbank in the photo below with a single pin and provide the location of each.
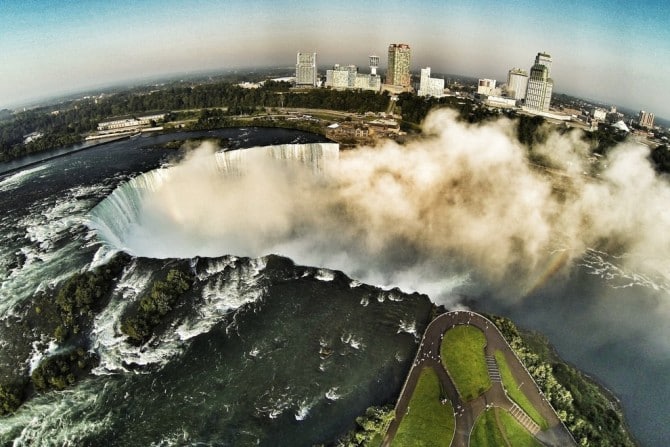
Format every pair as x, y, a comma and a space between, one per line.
590, 411
34, 159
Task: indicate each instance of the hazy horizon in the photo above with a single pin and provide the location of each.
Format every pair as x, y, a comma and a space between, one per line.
605, 51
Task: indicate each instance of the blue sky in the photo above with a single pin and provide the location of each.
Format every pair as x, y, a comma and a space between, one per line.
614, 51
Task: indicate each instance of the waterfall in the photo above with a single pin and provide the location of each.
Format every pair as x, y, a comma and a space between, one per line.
112, 217
314, 155
127, 220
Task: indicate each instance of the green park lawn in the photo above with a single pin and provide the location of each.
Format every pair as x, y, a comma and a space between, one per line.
429, 423
489, 432
462, 354
516, 393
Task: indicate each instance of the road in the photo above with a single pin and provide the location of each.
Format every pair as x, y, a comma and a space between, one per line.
466, 413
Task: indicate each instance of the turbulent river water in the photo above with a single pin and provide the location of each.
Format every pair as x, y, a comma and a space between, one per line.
270, 353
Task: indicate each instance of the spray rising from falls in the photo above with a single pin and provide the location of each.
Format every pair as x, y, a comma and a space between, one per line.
179, 211
422, 216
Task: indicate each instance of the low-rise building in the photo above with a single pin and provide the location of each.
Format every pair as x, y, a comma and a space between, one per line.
347, 77
598, 114
486, 86
130, 122
499, 101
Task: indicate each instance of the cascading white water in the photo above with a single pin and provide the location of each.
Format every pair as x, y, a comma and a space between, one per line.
112, 217
185, 210
313, 155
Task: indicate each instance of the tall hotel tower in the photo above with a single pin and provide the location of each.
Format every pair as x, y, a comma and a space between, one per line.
305, 70
540, 84
398, 66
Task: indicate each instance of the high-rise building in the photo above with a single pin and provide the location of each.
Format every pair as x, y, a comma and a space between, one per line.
646, 119
544, 59
305, 70
540, 84
398, 65
517, 83
430, 86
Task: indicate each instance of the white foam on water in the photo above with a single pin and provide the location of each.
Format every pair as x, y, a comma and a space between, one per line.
108, 340
303, 410
232, 283
616, 275
53, 238
352, 341
332, 394
177, 437
394, 296
408, 327
276, 402
55, 419
14, 181
225, 291
41, 349
324, 275
102, 256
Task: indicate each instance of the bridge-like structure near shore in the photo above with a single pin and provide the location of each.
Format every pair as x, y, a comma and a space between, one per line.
467, 412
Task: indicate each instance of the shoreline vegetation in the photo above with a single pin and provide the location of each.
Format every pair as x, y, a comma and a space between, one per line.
591, 412
222, 103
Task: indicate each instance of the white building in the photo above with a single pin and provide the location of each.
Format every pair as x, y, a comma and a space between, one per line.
517, 83
599, 114
341, 77
128, 123
646, 119
305, 70
347, 77
486, 86
430, 86
499, 101
371, 82
540, 84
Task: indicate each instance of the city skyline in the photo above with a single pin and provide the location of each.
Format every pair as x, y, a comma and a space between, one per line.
606, 51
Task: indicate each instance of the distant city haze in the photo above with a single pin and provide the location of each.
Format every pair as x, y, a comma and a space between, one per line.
615, 52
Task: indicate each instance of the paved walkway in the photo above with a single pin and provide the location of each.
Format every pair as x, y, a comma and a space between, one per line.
466, 413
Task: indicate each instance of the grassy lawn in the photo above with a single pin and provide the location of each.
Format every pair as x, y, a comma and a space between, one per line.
516, 393
462, 354
489, 432
428, 423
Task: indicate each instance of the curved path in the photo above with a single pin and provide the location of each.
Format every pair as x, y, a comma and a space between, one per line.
466, 413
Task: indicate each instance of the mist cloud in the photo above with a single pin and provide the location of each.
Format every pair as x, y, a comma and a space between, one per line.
463, 200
